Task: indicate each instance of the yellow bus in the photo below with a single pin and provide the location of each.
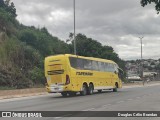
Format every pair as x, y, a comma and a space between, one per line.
68, 74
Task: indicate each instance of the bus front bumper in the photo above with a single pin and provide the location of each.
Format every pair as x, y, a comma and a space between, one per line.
55, 88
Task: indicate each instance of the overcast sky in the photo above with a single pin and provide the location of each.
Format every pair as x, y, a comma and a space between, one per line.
117, 23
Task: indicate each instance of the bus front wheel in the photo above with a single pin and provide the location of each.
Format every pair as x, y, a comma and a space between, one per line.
84, 90
116, 88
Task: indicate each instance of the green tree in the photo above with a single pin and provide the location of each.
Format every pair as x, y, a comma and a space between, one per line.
23, 51
158, 67
2, 3
10, 8
156, 2
152, 63
92, 48
87, 46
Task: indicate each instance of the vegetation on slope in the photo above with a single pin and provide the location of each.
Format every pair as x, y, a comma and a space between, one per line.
23, 49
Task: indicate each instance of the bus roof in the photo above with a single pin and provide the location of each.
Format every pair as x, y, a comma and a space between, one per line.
91, 58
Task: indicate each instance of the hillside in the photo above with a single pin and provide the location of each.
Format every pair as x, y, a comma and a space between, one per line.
23, 49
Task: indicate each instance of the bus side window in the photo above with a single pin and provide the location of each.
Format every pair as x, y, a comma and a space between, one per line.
73, 62
87, 64
101, 66
106, 69
115, 68
80, 63
111, 67
95, 65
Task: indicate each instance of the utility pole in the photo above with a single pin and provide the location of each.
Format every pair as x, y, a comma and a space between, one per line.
74, 28
141, 60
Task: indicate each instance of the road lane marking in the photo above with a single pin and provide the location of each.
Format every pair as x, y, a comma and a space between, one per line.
104, 105
138, 97
144, 95
129, 99
120, 102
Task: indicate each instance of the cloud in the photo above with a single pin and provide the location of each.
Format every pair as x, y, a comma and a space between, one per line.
118, 23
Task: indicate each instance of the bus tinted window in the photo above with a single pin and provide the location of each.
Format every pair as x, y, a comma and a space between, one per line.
101, 66
73, 62
111, 68
87, 64
95, 65
116, 68
84, 64
80, 64
76, 63
106, 67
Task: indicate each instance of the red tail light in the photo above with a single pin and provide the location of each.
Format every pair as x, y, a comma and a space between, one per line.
67, 80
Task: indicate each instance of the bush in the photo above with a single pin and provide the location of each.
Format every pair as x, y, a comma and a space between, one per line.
18, 61
37, 76
13, 78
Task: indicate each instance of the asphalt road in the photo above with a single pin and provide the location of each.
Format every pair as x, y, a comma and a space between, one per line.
145, 98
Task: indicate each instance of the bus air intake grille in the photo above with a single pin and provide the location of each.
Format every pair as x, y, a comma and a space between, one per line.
55, 72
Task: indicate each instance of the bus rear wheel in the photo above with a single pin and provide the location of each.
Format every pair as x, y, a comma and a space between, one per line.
90, 90
64, 94
84, 90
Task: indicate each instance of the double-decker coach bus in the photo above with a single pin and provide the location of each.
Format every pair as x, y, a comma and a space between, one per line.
68, 74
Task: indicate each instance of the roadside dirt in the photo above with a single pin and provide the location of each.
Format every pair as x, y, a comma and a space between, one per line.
7, 94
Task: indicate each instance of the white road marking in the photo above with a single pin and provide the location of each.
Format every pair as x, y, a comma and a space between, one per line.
138, 97
104, 105
120, 101
129, 99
